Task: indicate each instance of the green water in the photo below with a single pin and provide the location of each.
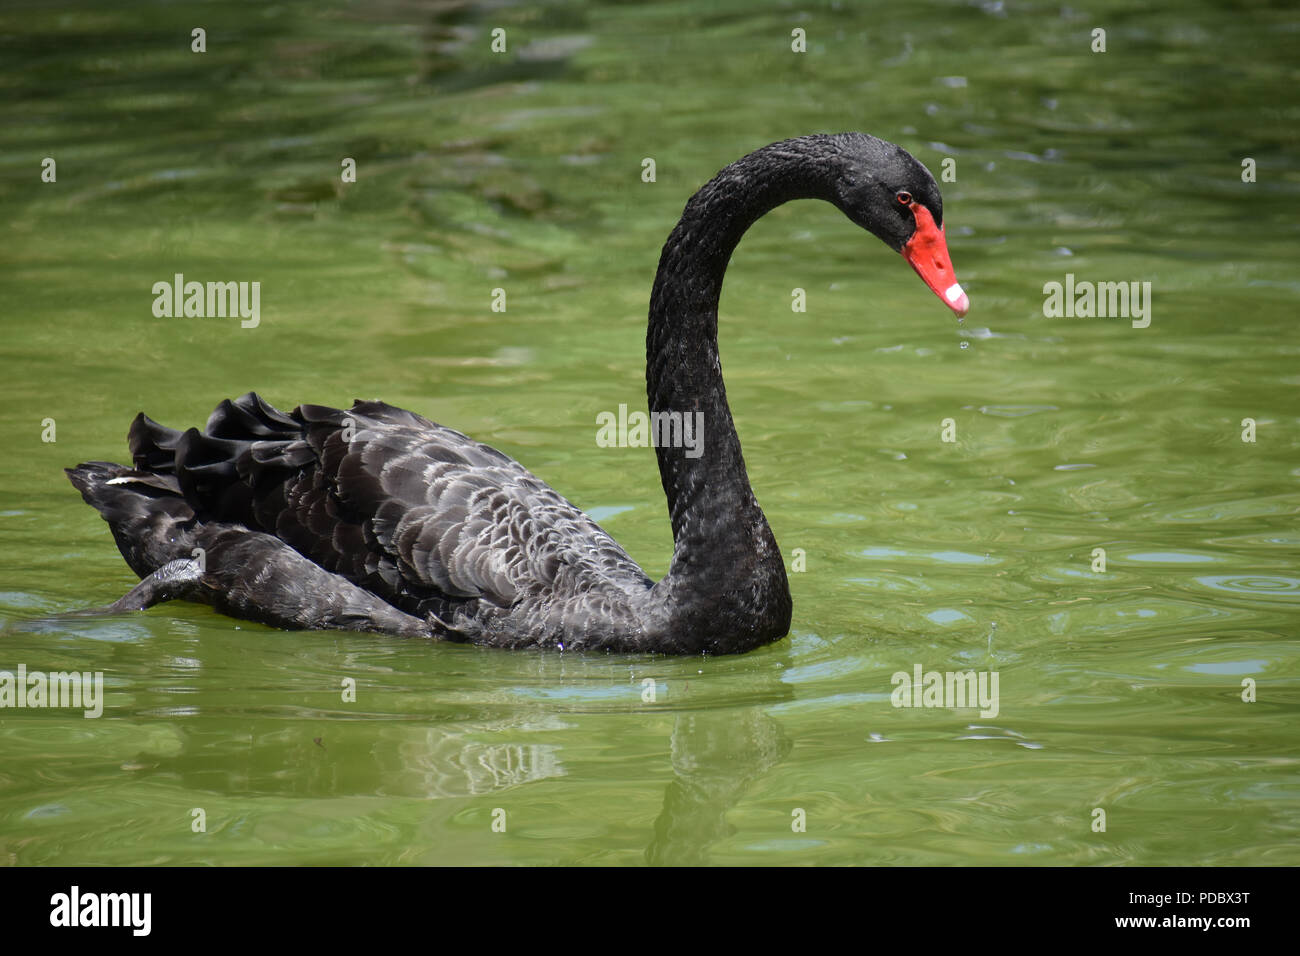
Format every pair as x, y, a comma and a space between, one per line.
1119, 691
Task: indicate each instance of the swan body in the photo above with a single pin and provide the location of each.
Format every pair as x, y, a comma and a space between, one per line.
374, 518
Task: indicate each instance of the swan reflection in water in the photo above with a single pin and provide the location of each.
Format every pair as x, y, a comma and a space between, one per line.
717, 756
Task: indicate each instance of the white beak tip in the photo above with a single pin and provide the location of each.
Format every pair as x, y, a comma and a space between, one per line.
956, 298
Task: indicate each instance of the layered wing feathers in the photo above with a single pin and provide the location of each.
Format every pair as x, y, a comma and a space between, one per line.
420, 514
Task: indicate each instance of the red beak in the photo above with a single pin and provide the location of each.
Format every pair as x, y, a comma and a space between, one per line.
927, 252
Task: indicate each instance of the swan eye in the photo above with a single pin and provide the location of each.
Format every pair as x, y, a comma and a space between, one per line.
904, 197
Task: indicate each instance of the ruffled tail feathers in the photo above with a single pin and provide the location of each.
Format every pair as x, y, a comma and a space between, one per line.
149, 517
153, 446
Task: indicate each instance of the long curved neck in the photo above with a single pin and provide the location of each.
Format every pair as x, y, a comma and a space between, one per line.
722, 543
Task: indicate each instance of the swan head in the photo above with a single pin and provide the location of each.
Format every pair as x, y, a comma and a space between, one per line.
884, 189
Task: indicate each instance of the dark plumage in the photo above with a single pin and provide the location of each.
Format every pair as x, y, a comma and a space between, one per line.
373, 518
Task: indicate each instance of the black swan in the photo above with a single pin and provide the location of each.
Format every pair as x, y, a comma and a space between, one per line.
376, 519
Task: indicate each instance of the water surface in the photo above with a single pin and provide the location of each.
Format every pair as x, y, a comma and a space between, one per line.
1119, 690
